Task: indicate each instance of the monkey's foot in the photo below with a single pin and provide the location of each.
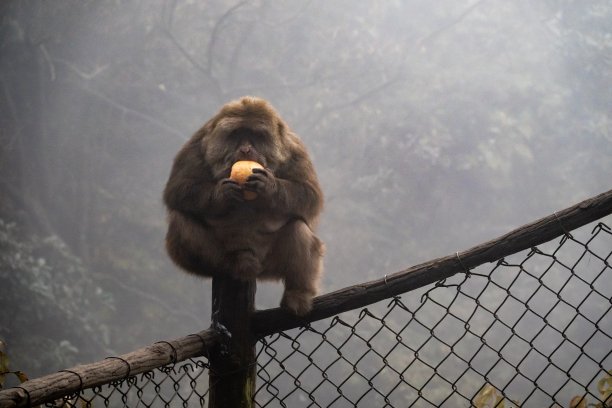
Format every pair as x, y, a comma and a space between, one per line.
297, 302
244, 266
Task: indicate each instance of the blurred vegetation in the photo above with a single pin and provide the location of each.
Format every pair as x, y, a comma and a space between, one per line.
490, 397
6, 373
433, 125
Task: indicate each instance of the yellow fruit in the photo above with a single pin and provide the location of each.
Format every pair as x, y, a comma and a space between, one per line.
241, 170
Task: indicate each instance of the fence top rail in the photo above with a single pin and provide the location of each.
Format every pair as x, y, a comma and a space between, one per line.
71, 381
275, 320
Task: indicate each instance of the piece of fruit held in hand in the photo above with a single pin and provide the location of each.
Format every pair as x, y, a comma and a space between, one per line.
241, 170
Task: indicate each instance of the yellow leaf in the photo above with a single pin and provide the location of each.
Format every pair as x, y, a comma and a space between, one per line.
578, 402
605, 384
488, 397
4, 364
22, 376
4, 361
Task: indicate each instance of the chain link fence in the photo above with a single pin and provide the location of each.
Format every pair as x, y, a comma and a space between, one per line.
533, 329
182, 384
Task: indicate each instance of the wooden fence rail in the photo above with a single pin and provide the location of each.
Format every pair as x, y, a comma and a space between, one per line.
271, 321
67, 382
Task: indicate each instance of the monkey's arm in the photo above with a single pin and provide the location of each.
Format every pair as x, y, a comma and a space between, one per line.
294, 191
192, 190
300, 198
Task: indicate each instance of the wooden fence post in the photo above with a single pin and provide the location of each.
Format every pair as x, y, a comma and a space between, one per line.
232, 373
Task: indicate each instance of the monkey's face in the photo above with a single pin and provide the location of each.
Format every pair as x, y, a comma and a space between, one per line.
238, 138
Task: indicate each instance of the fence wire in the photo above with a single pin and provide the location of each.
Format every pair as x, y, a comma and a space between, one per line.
183, 384
533, 330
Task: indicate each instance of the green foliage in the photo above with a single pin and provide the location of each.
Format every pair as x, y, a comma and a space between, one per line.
4, 368
51, 301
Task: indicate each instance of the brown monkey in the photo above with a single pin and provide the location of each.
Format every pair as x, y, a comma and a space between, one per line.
214, 230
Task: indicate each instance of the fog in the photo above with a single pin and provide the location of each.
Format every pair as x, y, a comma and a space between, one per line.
433, 126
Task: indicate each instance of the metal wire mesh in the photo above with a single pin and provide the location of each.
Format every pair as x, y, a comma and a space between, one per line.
534, 329
182, 384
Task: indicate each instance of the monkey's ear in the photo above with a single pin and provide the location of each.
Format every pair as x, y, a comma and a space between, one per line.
207, 129
282, 129
202, 136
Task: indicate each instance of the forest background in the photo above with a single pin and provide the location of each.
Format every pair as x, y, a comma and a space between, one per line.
433, 125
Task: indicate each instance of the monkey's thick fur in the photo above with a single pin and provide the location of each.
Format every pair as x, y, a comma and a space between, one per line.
214, 230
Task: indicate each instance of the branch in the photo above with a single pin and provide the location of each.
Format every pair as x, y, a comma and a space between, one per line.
372, 92
149, 298
133, 112
32, 207
204, 70
271, 321
84, 75
68, 382
215, 33
45, 53
450, 25
184, 52
167, 17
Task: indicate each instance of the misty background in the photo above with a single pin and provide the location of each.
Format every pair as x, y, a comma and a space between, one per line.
433, 126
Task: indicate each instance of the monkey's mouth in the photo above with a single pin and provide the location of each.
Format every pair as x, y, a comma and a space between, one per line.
250, 157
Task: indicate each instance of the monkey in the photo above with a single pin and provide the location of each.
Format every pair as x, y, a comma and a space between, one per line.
214, 230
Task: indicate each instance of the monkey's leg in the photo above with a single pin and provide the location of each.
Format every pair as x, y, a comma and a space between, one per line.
192, 246
297, 259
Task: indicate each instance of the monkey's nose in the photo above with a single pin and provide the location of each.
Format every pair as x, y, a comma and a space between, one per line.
245, 149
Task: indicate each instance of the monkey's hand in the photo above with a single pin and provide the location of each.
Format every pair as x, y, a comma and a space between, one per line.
262, 182
227, 192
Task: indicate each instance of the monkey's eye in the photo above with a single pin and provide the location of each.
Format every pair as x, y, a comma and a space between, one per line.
252, 135
240, 133
260, 135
